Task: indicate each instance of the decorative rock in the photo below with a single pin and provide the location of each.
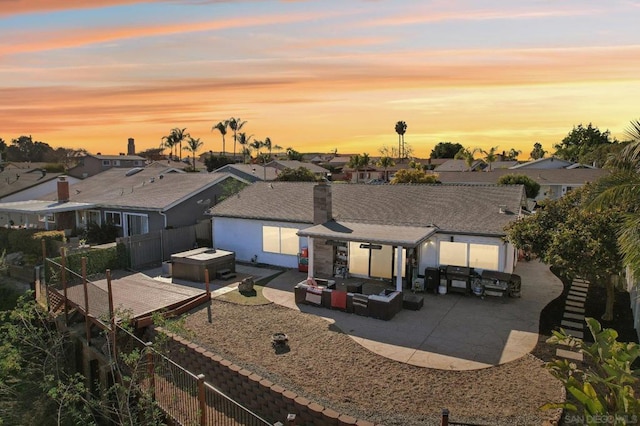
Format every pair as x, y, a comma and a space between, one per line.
246, 285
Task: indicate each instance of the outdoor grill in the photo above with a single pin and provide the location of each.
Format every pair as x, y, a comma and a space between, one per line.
458, 279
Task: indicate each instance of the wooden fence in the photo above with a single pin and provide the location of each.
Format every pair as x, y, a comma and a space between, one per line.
153, 248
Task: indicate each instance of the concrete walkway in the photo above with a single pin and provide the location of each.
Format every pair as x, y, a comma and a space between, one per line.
450, 332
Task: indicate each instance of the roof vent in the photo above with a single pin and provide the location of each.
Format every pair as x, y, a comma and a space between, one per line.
133, 171
503, 208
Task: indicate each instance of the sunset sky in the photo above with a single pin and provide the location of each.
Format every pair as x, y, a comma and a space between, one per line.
317, 75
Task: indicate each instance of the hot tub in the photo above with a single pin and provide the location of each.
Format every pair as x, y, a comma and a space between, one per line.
190, 265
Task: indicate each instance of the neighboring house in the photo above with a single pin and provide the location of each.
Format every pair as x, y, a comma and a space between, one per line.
545, 163
249, 172
91, 165
369, 230
137, 201
460, 166
281, 165
18, 184
554, 183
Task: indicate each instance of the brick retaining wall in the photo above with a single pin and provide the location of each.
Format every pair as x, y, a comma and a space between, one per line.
258, 394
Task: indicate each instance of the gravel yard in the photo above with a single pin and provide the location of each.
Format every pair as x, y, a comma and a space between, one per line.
325, 365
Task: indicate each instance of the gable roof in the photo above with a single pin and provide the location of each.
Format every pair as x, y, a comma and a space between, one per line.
458, 166
569, 177
295, 164
117, 157
251, 172
559, 163
14, 180
148, 189
451, 208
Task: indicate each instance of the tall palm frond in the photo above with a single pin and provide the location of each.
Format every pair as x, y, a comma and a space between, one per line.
222, 128
236, 125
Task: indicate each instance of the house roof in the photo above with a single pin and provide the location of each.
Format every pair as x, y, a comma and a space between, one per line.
452, 208
295, 164
117, 157
42, 207
13, 180
407, 236
148, 189
457, 166
533, 164
569, 177
250, 171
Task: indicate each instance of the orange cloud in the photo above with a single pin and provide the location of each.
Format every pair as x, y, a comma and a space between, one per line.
15, 7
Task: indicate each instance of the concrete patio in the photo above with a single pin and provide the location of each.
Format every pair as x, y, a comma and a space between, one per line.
451, 331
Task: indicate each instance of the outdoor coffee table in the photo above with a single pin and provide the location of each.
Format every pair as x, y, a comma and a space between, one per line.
412, 301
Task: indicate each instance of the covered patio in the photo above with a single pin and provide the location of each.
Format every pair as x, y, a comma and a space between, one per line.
375, 250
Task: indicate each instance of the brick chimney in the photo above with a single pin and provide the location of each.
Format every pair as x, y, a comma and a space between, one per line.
322, 211
131, 147
63, 189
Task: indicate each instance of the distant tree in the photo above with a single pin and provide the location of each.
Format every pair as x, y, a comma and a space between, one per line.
414, 176
468, 155
512, 154
354, 163
170, 142
3, 150
151, 153
401, 129
531, 187
244, 141
267, 144
193, 146
578, 242
222, 128
257, 146
231, 187
214, 162
236, 125
581, 143
292, 154
301, 174
446, 150
537, 152
386, 162
490, 156
24, 148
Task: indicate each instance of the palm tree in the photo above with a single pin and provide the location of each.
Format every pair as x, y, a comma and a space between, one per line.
354, 162
466, 154
169, 142
256, 144
193, 146
513, 153
222, 128
243, 140
235, 124
365, 160
621, 188
386, 162
267, 144
490, 156
178, 136
401, 129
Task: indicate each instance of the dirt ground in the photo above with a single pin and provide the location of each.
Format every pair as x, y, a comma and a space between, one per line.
328, 367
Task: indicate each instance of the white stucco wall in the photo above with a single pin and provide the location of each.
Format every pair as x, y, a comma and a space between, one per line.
429, 250
244, 237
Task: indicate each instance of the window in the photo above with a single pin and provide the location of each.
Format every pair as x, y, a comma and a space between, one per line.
114, 218
481, 256
453, 253
484, 256
116, 163
49, 217
280, 240
93, 216
135, 224
137, 163
106, 163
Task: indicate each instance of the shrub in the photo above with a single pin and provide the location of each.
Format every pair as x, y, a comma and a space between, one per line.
28, 241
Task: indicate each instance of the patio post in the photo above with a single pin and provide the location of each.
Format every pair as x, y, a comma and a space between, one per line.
310, 254
399, 268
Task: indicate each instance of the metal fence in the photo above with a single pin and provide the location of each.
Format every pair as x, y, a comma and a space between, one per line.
180, 394
183, 396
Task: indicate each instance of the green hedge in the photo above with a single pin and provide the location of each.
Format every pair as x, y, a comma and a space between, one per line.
28, 241
98, 260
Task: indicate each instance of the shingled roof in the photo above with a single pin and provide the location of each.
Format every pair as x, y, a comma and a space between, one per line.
148, 189
474, 209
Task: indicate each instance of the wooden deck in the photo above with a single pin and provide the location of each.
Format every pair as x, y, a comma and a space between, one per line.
137, 296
